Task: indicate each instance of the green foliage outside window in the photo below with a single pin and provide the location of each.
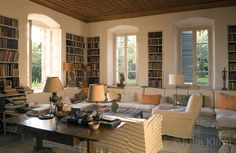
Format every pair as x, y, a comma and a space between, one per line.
36, 64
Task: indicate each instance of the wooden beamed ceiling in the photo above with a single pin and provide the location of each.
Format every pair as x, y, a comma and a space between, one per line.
102, 10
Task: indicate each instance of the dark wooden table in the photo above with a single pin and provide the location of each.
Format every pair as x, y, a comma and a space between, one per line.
57, 131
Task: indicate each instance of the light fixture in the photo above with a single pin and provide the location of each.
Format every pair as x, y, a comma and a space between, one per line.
176, 79
96, 95
68, 67
53, 85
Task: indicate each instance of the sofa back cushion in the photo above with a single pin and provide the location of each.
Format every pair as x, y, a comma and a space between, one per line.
151, 99
225, 101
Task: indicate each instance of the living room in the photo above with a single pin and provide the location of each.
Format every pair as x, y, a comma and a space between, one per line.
215, 19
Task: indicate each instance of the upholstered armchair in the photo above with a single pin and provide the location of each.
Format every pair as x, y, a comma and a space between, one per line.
136, 136
181, 124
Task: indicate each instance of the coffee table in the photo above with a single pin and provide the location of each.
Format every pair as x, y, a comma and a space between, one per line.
57, 131
125, 112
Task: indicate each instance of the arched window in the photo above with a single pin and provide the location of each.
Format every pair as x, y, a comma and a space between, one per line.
124, 54
195, 51
44, 52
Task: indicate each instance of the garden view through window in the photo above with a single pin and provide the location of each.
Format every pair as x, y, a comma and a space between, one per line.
37, 42
126, 58
195, 56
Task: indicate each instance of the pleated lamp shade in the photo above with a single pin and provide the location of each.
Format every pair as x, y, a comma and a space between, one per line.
53, 84
176, 79
96, 93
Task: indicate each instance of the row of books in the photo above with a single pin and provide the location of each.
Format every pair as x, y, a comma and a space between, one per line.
93, 39
232, 47
8, 21
74, 37
232, 75
72, 50
75, 43
9, 32
79, 73
94, 65
157, 83
93, 45
232, 85
74, 58
232, 56
78, 66
155, 42
155, 35
93, 80
232, 66
93, 52
8, 43
9, 70
9, 82
155, 49
155, 73
93, 59
155, 57
232, 29
8, 56
154, 65
232, 37
93, 73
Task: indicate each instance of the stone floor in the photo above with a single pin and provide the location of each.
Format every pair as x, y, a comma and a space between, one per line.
205, 141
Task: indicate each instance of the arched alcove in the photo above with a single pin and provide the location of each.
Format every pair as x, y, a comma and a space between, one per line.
117, 30
50, 35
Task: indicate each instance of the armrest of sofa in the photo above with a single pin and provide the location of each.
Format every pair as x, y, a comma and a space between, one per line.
176, 115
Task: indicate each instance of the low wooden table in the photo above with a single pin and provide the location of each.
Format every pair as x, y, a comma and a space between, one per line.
125, 112
57, 131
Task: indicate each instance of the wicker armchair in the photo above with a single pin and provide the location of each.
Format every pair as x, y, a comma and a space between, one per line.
181, 124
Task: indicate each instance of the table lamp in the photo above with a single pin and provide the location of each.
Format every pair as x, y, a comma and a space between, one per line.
176, 79
96, 95
68, 67
53, 85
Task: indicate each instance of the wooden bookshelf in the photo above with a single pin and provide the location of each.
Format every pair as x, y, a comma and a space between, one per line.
155, 59
232, 57
75, 54
9, 69
93, 59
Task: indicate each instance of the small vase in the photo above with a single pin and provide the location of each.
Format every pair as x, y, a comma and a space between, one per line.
114, 106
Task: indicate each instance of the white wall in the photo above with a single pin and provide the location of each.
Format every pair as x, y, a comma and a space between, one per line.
222, 17
20, 9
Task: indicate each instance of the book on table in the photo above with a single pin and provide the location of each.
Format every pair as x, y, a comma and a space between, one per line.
110, 121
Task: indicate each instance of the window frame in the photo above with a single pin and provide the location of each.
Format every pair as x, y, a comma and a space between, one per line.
194, 58
126, 58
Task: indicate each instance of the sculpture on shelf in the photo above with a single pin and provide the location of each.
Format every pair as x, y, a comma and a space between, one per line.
224, 73
122, 80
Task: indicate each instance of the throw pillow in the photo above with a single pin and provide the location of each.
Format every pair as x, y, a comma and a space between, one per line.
225, 101
130, 97
182, 99
164, 100
151, 99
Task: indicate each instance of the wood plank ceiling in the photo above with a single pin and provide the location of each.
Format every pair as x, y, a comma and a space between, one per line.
101, 10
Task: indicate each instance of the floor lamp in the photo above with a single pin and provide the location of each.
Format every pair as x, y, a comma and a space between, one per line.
176, 79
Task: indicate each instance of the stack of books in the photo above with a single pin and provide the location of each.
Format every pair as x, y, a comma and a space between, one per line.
15, 103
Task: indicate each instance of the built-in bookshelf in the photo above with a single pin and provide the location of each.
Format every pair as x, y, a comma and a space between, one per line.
232, 57
9, 69
75, 54
93, 58
155, 59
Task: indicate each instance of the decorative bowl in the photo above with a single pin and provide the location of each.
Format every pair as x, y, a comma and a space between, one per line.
94, 125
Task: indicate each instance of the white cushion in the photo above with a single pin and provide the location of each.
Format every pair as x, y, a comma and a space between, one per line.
82, 105
128, 97
207, 111
225, 118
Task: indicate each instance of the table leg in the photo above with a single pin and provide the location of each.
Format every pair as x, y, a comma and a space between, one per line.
90, 146
39, 144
